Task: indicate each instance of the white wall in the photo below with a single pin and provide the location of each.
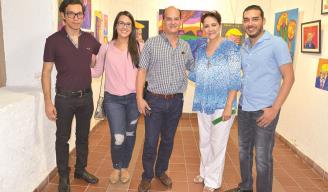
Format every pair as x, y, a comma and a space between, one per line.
28, 152
303, 121
26, 24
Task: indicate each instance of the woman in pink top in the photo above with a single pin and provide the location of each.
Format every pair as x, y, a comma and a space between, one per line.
120, 60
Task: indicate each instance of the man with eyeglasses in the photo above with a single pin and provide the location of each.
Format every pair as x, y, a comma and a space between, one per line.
72, 51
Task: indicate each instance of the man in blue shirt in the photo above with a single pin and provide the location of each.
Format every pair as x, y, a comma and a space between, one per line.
265, 62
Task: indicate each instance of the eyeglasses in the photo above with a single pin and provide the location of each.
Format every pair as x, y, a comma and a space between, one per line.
121, 24
72, 15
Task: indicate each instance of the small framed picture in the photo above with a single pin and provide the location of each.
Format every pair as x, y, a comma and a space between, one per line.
311, 37
324, 6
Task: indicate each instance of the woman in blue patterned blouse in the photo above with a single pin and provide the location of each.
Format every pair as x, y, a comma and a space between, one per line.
217, 79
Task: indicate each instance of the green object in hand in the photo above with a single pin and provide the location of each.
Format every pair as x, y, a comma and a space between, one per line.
219, 119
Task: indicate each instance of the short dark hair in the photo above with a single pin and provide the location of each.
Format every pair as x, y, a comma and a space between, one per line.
174, 7
254, 7
65, 3
216, 15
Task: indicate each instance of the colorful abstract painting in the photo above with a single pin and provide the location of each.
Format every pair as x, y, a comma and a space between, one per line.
105, 23
321, 80
142, 30
190, 28
99, 31
87, 14
286, 27
234, 32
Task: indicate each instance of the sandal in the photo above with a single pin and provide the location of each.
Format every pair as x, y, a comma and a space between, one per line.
125, 176
198, 179
208, 189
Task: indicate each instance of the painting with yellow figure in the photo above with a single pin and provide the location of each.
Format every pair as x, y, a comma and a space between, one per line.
234, 32
286, 27
321, 80
99, 28
142, 30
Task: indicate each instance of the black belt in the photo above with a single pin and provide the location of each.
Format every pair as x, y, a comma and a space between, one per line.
78, 93
165, 96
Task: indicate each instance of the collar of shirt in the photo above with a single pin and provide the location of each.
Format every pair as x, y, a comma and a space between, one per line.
167, 40
64, 32
266, 36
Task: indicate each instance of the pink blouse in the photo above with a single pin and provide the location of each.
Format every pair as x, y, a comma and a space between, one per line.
120, 73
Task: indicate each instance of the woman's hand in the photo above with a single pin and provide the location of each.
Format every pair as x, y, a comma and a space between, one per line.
226, 115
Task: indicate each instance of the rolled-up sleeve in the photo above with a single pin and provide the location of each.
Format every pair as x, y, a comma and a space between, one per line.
100, 61
190, 64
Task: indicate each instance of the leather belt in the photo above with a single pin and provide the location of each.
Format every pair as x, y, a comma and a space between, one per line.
165, 96
78, 93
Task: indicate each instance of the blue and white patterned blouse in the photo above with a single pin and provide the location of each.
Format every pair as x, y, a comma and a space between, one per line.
215, 76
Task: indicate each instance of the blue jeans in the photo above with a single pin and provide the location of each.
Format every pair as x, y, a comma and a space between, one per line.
163, 120
250, 135
122, 115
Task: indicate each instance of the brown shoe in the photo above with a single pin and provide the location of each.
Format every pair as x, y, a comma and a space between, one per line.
144, 186
166, 180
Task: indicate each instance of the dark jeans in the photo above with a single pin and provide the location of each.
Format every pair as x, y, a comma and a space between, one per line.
250, 135
67, 108
163, 120
122, 115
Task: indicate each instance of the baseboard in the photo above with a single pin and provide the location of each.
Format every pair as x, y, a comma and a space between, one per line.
304, 158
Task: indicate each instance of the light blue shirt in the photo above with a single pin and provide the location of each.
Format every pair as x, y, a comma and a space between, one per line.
215, 76
261, 71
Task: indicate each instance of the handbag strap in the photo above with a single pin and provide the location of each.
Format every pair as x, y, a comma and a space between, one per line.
103, 70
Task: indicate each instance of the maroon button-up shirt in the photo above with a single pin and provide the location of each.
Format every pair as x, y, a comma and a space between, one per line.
72, 64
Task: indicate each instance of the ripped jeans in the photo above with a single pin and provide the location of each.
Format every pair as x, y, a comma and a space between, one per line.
122, 115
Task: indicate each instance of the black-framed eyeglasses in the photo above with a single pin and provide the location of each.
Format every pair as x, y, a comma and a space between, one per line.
72, 15
121, 24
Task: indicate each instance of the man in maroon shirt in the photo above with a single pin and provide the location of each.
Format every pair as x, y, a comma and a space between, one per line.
71, 50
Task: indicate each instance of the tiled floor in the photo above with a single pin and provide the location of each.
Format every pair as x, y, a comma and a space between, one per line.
290, 173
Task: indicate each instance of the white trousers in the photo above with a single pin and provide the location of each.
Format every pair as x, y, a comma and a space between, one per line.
213, 141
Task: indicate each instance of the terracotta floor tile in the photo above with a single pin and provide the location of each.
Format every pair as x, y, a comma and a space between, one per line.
291, 174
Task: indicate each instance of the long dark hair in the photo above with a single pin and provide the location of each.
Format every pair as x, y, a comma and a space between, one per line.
133, 45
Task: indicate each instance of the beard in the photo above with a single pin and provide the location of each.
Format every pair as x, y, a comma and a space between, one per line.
256, 34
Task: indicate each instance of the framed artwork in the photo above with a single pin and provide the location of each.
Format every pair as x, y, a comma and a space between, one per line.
87, 14
142, 30
324, 6
190, 28
234, 32
286, 27
321, 79
311, 37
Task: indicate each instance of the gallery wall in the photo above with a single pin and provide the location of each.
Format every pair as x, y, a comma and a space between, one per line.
303, 120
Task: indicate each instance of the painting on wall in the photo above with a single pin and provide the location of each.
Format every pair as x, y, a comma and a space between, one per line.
87, 14
99, 31
311, 37
234, 32
321, 80
324, 6
191, 26
61, 23
286, 27
105, 23
142, 30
